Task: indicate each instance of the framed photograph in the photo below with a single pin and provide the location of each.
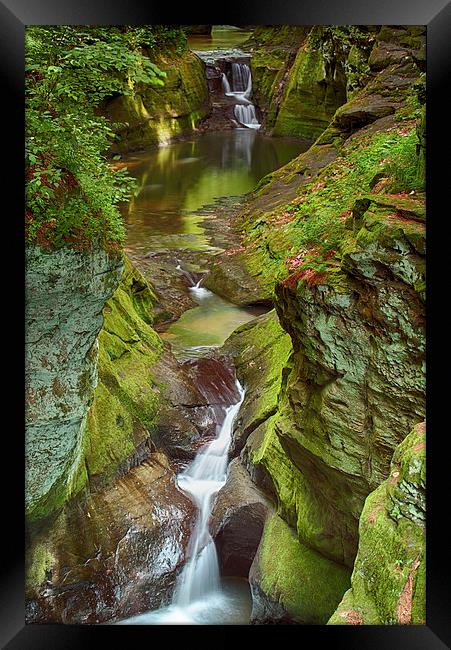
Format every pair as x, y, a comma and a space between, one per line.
225, 323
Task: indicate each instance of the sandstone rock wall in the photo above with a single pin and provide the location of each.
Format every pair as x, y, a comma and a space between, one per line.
353, 386
66, 291
301, 76
155, 114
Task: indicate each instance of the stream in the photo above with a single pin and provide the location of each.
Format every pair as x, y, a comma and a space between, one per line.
176, 182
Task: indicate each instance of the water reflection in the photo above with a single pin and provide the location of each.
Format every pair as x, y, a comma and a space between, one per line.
179, 179
222, 37
207, 325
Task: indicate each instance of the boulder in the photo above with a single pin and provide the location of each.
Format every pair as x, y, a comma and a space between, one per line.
114, 554
229, 278
237, 521
291, 583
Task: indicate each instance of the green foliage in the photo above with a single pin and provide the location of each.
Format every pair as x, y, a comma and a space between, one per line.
349, 45
415, 101
72, 193
402, 165
303, 240
340, 39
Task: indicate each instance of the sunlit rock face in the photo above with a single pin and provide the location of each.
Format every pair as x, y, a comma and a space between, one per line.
66, 291
155, 114
112, 554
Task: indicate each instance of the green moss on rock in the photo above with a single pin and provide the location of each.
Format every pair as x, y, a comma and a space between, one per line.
155, 114
260, 350
290, 581
127, 397
388, 581
314, 92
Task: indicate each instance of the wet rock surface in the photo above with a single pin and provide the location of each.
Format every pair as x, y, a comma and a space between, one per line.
198, 391
237, 521
130, 541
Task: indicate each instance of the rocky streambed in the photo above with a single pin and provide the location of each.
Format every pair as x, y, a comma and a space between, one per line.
322, 510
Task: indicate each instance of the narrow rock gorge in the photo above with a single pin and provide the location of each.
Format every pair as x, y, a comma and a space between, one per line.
237, 271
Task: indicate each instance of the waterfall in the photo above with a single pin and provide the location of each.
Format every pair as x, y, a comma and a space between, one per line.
246, 116
202, 480
241, 82
225, 84
199, 292
241, 88
241, 78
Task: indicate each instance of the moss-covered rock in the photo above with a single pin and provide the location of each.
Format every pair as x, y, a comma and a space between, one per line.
127, 397
228, 277
144, 397
112, 553
337, 237
153, 115
273, 53
388, 580
66, 292
260, 350
357, 380
303, 74
316, 88
290, 582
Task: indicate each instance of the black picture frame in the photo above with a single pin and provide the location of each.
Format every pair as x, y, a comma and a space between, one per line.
436, 15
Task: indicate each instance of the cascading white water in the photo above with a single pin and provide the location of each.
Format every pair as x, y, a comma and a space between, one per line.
199, 596
241, 89
202, 480
225, 84
199, 292
241, 78
246, 116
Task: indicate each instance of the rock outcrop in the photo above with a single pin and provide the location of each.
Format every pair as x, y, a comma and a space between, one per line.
66, 291
153, 115
304, 74
112, 554
388, 581
336, 239
145, 397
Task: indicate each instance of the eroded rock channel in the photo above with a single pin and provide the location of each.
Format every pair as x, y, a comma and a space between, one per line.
246, 426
